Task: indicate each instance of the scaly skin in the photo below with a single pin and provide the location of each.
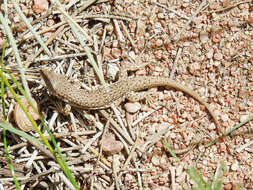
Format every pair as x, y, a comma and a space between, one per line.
101, 97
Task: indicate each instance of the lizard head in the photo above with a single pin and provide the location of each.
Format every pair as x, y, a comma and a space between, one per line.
52, 80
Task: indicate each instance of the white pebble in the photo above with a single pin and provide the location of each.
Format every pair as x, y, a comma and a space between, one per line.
132, 107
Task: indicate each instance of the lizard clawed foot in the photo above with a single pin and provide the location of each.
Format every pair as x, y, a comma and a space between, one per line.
150, 100
64, 109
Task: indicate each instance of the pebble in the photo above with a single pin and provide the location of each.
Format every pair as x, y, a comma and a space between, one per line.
160, 16
224, 117
111, 146
112, 70
179, 170
218, 56
209, 54
40, 6
194, 67
234, 166
132, 107
115, 43
216, 38
155, 160
185, 3
116, 52
159, 43
203, 36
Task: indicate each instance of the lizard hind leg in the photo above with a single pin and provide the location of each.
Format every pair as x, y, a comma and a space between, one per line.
62, 107
130, 67
137, 96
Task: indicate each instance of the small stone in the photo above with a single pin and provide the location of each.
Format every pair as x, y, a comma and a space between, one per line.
185, 3
111, 71
159, 43
242, 107
224, 117
234, 166
216, 63
218, 56
151, 129
158, 144
179, 170
164, 163
243, 92
40, 6
216, 38
209, 54
129, 178
222, 147
250, 19
155, 160
229, 186
50, 22
234, 23
194, 68
173, 135
225, 3
132, 107
160, 16
173, 52
211, 127
116, 52
200, 19
203, 36
158, 69
111, 146
186, 44
16, 19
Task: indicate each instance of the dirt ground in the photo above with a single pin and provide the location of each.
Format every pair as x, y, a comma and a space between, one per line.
204, 45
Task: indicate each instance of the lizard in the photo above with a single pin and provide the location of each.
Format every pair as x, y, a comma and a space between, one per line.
100, 98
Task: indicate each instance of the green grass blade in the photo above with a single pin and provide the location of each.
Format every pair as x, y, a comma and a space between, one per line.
15, 50
61, 161
198, 179
230, 131
4, 130
239, 125
170, 150
217, 181
20, 133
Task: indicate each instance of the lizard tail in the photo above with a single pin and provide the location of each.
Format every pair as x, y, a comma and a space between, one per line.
150, 81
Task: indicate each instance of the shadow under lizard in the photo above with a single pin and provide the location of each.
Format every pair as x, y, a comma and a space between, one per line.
100, 98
